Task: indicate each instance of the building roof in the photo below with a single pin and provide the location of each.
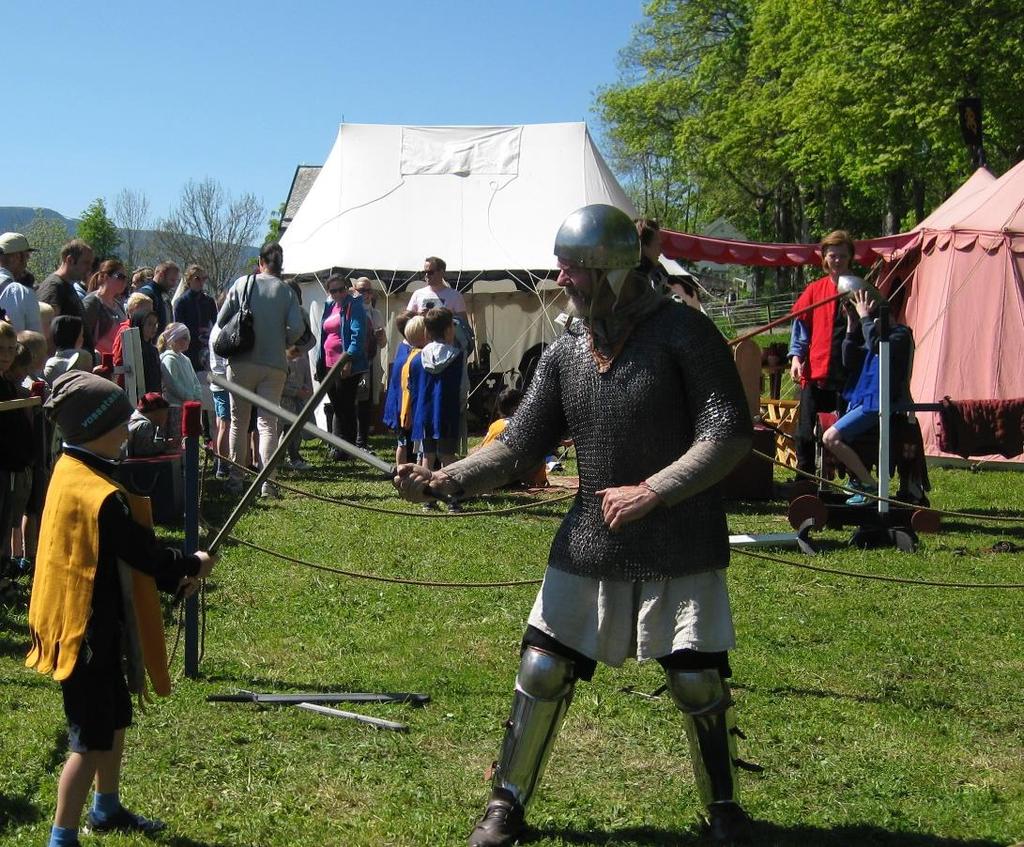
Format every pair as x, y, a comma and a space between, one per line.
305, 176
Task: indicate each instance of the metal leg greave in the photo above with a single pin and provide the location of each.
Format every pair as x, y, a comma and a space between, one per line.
704, 698
544, 688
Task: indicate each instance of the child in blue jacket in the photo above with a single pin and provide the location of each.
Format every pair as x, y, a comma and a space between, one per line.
442, 390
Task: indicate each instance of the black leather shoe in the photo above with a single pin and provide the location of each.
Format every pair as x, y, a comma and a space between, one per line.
729, 824
125, 821
503, 822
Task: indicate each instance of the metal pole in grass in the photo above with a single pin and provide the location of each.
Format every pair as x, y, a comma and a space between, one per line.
884, 403
191, 429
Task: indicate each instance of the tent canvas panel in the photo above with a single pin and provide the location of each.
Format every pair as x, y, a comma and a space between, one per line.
483, 198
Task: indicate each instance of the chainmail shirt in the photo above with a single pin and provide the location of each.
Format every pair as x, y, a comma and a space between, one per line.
673, 389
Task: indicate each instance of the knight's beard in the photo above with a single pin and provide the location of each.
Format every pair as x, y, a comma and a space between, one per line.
605, 291
579, 305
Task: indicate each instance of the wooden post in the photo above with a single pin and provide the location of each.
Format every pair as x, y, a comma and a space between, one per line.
191, 429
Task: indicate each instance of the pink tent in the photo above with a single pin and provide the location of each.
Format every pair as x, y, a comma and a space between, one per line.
964, 297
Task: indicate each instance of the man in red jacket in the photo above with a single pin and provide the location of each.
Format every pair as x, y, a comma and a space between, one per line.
815, 345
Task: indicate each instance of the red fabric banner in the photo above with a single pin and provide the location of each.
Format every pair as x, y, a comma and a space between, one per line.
722, 251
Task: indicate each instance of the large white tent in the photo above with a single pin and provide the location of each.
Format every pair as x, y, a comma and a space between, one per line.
486, 199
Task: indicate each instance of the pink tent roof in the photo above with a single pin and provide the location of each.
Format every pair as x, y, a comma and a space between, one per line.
957, 202
1000, 208
723, 251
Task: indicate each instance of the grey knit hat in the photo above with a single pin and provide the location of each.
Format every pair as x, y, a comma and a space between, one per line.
86, 406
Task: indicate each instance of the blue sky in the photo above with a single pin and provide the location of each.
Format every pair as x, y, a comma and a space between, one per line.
116, 94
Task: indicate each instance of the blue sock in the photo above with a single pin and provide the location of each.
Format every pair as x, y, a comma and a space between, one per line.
61, 837
105, 805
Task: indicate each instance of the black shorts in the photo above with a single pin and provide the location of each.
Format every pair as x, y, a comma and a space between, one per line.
97, 703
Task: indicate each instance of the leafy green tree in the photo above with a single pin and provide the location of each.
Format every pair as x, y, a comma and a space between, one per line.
274, 225
98, 230
47, 236
792, 118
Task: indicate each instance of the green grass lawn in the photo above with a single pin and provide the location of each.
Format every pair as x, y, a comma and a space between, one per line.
882, 714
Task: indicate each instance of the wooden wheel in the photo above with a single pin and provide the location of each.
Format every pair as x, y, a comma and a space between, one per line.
925, 520
807, 506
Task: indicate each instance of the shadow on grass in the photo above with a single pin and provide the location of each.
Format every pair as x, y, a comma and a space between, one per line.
765, 835
59, 751
14, 648
968, 527
34, 681
185, 841
770, 508
15, 811
15, 640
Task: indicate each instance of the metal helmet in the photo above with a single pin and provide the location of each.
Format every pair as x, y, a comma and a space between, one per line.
598, 236
848, 283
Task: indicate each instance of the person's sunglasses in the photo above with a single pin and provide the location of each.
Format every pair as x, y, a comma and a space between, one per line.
119, 275
336, 290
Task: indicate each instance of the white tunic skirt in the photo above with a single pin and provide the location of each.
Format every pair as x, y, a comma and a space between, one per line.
611, 621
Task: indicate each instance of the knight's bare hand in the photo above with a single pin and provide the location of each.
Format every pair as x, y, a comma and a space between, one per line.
412, 481
625, 504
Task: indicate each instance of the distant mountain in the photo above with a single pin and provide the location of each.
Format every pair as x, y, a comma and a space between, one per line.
18, 218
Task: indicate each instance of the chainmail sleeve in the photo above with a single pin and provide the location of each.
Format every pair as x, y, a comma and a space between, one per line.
718, 408
537, 426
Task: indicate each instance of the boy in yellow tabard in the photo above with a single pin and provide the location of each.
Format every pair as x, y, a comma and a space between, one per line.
95, 615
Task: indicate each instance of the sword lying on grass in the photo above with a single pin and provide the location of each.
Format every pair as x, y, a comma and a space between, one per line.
310, 702
244, 696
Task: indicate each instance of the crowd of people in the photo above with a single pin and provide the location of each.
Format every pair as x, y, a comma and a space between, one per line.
74, 321
64, 516
68, 521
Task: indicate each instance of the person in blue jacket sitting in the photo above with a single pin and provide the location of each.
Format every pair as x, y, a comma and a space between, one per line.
860, 358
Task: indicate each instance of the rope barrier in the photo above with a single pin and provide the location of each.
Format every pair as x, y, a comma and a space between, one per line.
323, 498
377, 577
881, 577
889, 500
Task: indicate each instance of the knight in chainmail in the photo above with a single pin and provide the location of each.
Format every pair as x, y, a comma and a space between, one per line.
649, 393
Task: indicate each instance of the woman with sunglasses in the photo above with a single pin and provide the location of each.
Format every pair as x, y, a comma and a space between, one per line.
101, 309
342, 337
